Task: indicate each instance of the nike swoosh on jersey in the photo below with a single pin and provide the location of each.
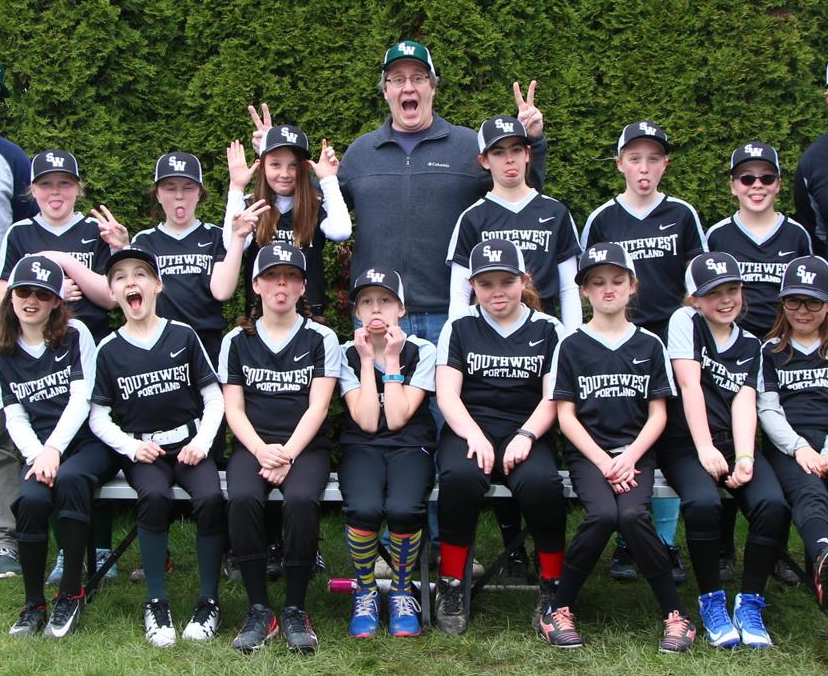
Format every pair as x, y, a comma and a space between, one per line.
532, 343
786, 253
60, 358
740, 362
301, 356
636, 360
88, 241
203, 244
545, 220
664, 227
173, 355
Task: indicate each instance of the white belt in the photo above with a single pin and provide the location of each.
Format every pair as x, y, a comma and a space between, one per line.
173, 436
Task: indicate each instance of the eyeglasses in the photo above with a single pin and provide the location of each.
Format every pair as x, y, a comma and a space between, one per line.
811, 304
26, 291
398, 81
750, 179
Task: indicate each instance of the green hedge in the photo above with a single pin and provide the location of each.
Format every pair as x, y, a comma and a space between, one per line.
120, 82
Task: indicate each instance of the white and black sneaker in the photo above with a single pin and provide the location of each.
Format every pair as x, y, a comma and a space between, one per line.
158, 623
204, 623
65, 615
31, 620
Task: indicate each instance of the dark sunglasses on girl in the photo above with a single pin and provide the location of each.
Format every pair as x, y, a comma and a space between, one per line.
26, 291
793, 304
750, 179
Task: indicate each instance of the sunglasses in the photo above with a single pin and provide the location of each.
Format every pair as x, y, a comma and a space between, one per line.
793, 304
750, 179
26, 291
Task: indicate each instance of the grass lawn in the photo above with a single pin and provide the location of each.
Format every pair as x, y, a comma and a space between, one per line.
619, 622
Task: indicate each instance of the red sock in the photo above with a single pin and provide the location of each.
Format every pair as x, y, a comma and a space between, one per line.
551, 564
453, 560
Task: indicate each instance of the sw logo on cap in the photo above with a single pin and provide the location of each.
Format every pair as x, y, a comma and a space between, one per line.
40, 273
376, 277
753, 152
492, 254
406, 49
55, 161
289, 136
647, 129
804, 275
281, 253
598, 255
176, 164
718, 268
508, 127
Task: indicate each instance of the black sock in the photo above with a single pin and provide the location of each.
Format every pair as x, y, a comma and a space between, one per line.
33, 562
296, 585
664, 588
759, 562
254, 576
74, 536
704, 554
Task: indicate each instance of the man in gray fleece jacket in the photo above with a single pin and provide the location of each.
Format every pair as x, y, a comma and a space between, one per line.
409, 180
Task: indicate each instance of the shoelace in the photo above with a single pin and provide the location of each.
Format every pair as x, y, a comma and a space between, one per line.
254, 618
751, 611
365, 605
63, 608
405, 604
452, 599
160, 613
675, 625
4, 551
204, 610
296, 623
563, 619
29, 614
717, 612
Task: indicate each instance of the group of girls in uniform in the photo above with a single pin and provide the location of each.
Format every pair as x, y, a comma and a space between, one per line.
677, 390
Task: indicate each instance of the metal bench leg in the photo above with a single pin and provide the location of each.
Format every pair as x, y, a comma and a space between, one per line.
94, 580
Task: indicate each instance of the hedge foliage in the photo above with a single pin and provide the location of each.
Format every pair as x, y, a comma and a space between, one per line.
118, 82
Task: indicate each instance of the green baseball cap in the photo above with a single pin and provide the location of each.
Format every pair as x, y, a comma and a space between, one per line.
4, 90
408, 49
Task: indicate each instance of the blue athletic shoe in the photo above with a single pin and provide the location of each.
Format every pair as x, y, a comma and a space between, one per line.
57, 572
101, 555
747, 618
719, 629
403, 619
365, 618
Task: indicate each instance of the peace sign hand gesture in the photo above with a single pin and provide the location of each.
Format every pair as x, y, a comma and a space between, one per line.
262, 124
327, 165
529, 116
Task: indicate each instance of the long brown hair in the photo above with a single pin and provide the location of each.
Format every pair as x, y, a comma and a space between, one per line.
54, 331
305, 205
783, 330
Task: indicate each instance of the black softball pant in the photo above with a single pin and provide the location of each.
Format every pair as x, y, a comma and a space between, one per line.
83, 468
385, 483
608, 512
247, 495
153, 483
535, 484
807, 495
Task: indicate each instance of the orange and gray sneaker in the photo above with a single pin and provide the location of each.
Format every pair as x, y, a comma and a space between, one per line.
679, 633
821, 578
557, 627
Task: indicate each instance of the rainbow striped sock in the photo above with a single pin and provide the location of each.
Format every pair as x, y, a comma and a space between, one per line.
362, 546
404, 551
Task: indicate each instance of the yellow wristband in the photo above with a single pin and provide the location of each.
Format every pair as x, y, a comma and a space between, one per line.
749, 458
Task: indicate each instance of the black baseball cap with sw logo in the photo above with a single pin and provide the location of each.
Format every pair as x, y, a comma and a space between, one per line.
643, 129
708, 270
755, 151
385, 278
50, 161
178, 163
285, 136
806, 276
498, 128
496, 255
37, 271
278, 253
604, 253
